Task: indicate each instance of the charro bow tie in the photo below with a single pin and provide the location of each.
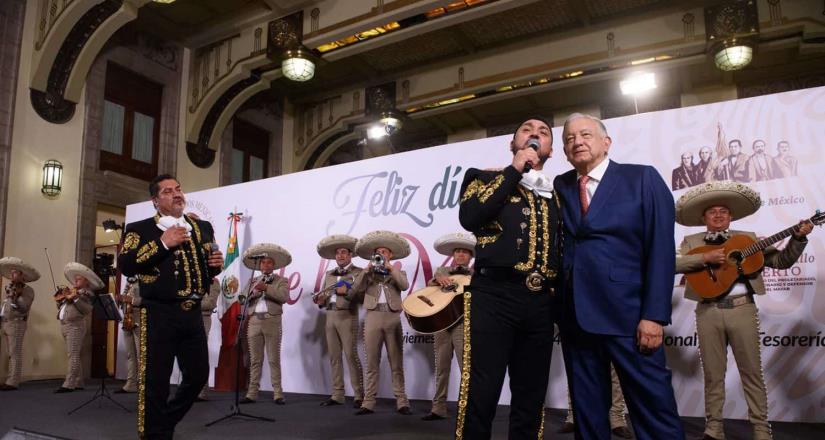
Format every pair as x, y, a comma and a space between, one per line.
717, 237
460, 270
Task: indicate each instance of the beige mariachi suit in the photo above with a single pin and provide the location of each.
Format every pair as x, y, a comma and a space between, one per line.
341, 330
208, 304
383, 325
446, 343
13, 317
132, 340
738, 327
73, 326
264, 330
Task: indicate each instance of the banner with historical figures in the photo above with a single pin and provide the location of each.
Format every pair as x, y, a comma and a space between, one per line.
772, 143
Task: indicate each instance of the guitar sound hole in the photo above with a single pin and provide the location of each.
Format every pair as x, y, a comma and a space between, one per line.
736, 256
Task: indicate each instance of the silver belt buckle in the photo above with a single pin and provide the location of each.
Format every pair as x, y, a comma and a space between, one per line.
187, 305
534, 282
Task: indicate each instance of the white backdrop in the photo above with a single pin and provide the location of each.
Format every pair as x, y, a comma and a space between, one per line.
416, 193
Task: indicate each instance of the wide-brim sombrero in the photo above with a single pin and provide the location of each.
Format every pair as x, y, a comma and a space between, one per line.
279, 255
446, 244
74, 268
367, 244
8, 263
740, 199
329, 245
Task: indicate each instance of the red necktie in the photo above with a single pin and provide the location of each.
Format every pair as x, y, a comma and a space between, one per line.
583, 194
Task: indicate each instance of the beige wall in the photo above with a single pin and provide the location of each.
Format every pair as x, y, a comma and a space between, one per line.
35, 222
191, 177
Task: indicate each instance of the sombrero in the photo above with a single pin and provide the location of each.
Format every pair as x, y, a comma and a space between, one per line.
8, 263
279, 255
446, 244
739, 198
367, 244
328, 245
73, 268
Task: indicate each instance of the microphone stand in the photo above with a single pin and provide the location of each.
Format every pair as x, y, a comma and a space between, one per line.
235, 410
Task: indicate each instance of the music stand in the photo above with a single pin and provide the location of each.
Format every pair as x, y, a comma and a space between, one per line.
107, 308
235, 410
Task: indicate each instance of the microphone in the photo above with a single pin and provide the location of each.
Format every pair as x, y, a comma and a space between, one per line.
534, 144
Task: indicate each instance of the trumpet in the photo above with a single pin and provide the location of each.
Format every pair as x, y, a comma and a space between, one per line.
327, 289
377, 260
268, 278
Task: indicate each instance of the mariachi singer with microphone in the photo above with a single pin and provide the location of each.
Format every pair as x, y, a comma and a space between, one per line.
514, 214
174, 258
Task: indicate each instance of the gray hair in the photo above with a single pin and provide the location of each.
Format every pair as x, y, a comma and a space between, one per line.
598, 121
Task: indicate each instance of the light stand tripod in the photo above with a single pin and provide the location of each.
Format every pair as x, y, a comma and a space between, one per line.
107, 310
235, 410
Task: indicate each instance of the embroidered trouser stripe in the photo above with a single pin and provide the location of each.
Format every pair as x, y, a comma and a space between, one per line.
141, 422
464, 388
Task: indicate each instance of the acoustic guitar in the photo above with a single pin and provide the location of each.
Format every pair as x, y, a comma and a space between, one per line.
435, 308
744, 258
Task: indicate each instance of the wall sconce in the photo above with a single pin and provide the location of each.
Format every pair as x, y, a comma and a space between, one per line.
52, 178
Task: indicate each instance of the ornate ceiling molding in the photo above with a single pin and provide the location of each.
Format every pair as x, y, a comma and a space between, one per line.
199, 152
51, 104
65, 54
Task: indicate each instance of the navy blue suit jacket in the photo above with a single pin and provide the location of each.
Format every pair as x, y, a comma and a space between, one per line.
619, 260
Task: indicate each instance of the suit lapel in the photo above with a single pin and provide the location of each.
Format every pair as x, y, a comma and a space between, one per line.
604, 191
570, 194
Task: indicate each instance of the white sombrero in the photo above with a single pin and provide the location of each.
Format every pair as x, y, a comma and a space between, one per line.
73, 268
329, 245
8, 263
279, 255
740, 199
446, 244
367, 245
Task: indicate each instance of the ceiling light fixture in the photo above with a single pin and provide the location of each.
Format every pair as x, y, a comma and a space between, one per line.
297, 66
733, 55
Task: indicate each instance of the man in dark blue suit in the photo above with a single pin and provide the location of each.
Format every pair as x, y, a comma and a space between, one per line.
617, 278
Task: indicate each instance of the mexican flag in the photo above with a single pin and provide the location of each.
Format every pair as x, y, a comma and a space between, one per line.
229, 308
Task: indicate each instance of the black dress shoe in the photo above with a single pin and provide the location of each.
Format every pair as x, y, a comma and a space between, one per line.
622, 431
280, 401
567, 428
62, 390
363, 411
357, 404
122, 391
330, 402
405, 410
433, 416
246, 400
5, 387
709, 437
